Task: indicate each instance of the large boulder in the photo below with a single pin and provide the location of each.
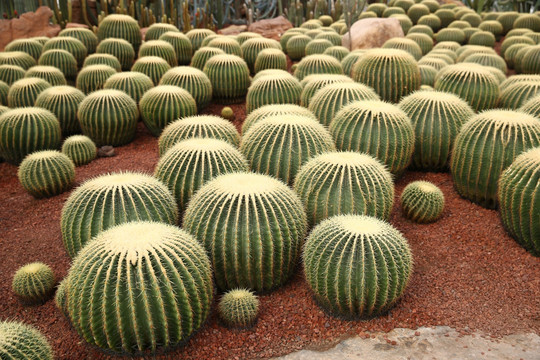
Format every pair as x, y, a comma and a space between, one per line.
372, 33
233, 30
271, 28
28, 25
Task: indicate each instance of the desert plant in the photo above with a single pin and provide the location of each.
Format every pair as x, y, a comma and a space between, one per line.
339, 52
103, 59
227, 113
60, 297
24, 92
63, 102
447, 45
421, 29
331, 36
428, 74
487, 60
4, 89
29, 46
270, 72
21, 341
11, 73
393, 10
251, 49
318, 64
201, 56
86, 36
266, 225
530, 64
534, 36
493, 26
451, 34
80, 149
156, 30
527, 21
119, 48
274, 110
133, 83
193, 81
313, 83
229, 75
284, 39
483, 38
406, 45
92, 78
422, 202
296, 46
377, 8
473, 19
33, 284
159, 48
247, 35
425, 42
270, 59
196, 36
347, 247
507, 20
417, 11
404, 21
470, 32
228, 45
509, 41
532, 106
486, 145
514, 96
518, 78
50, 74
181, 44
350, 60
277, 89
18, 58
122, 27
152, 66
317, 46
238, 308
108, 117
446, 16
73, 46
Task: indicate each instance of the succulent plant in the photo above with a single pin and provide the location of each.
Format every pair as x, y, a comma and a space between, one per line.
60, 297
108, 117
344, 183
196, 36
296, 46
318, 64
406, 45
534, 36
417, 11
284, 39
518, 78
422, 202
357, 266
86, 36
317, 46
80, 149
514, 96
270, 59
469, 32
392, 73
483, 38
158, 269
333, 37
519, 57
277, 89
63, 102
119, 48
446, 16
29, 46
487, 60
238, 308
425, 42
527, 21
50, 74
486, 145
404, 21
252, 48
393, 10
272, 111
507, 20
11, 73
164, 104
530, 64
21, 341
428, 74
122, 27
509, 41
201, 56
92, 78
350, 60
404, 4
377, 8
532, 106
265, 224
447, 45
471, 82
229, 75
451, 34
314, 83
193, 81
33, 284
518, 199
228, 45
18, 58
181, 44
103, 59
247, 35
190, 163
227, 113
152, 66
339, 52
209, 38
41, 39
473, 19
493, 26
159, 48
311, 24
4, 89
72, 45
157, 29
133, 83
24, 92
421, 29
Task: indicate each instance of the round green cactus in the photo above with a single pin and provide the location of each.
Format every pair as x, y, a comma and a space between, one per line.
189, 164
337, 51
60, 297
369, 188
318, 64
181, 44
509, 41
41, 39
392, 73
313, 83
425, 42
437, 118
404, 4
119, 48
296, 46
11, 73
377, 8
159, 48
451, 34
422, 202
493, 26
350, 60
33, 284
204, 126
404, 22
468, 50
18, 58
24, 92
29, 46
518, 78
50, 74
404, 44
270, 59
164, 104
518, 199
444, 54
136, 197
428, 74
488, 60
448, 45
63, 102
288, 35
497, 73
270, 72
133, 83
122, 27
483, 38
376, 128
473, 19
86, 36
152, 66
4, 89
92, 78
530, 64
108, 117
156, 268
514, 96
312, 24
196, 36
392, 10
227, 113
229, 75
331, 36
421, 29
247, 35
193, 81
253, 47
274, 110
317, 46
365, 249
72, 45
277, 89
279, 145
527, 21
21, 341
417, 11
265, 224
201, 56
532, 106
507, 20
238, 308
471, 82
80, 149
228, 45
103, 59
519, 57
157, 29
469, 32
486, 145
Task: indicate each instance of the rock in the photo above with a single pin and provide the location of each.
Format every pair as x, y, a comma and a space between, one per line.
233, 30
457, 2
106, 151
76, 25
28, 25
143, 32
271, 28
372, 33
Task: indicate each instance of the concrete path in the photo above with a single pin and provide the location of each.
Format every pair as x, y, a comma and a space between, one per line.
437, 343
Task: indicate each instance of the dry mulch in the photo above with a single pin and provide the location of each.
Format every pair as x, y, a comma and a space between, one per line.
469, 274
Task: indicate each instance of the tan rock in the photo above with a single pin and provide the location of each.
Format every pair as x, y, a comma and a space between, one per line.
271, 28
28, 25
233, 30
76, 25
372, 33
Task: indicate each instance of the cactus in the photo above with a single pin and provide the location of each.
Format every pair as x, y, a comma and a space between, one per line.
339, 52
158, 29
152, 66
404, 44
41, 39
432, 5
422, 202
270, 59
392, 10
92, 78
196, 36
350, 60
483, 38
252, 48
108, 117
80, 149
473, 19
190, 163
428, 74
119, 48
493, 26
4, 89
318, 64
344, 183
247, 35
18, 58
377, 8
193, 81
21, 341
425, 42
404, 4
527, 21
392, 73
451, 34
31, 47
284, 39
229, 75
33, 284
534, 37
417, 11
201, 56
136, 197
71, 45
497, 73
368, 250
265, 224
11, 73
159, 48
314, 83
458, 24
470, 32
473, 83
447, 45
334, 38
507, 20
376, 128
276, 89
317, 46
63, 102
509, 41
133, 83
103, 59
311, 25
181, 44
468, 50
274, 110
60, 297
159, 269
532, 106
421, 29
228, 45
121, 27
46, 173
431, 20
204, 126
514, 96
518, 199
24, 92
518, 78
486, 145
86, 36
227, 113
519, 57
238, 308
404, 21
50, 74
296, 46
487, 60
530, 64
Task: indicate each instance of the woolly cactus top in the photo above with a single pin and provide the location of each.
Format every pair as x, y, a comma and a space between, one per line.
34, 268
346, 159
247, 184
120, 179
28, 112
503, 118
426, 186
360, 225
44, 154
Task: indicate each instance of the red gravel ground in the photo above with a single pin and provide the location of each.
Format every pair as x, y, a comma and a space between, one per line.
468, 274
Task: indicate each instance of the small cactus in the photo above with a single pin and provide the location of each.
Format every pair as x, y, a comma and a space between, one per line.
238, 308
422, 202
159, 48
31, 47
103, 59
33, 283
493, 26
270, 59
92, 78
80, 149
60, 297
157, 29
428, 74
122, 27
196, 36
227, 113
18, 58
119, 48
193, 81
72, 45
21, 341
229, 75
11, 73
272, 110
50, 74
181, 44
247, 35
133, 83
417, 11
86, 36
201, 56
24, 92
152, 66
63, 102
277, 89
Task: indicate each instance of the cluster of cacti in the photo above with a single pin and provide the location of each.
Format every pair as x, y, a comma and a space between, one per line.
274, 110
50, 74
31, 47
181, 44
18, 58
80, 149
133, 83
21, 341
518, 195
422, 202
152, 66
33, 284
119, 48
509, 41
357, 266
514, 96
92, 78
158, 269
276, 89
122, 27
11, 73
24, 92
229, 75
193, 81
103, 59
238, 308
85, 36
71, 45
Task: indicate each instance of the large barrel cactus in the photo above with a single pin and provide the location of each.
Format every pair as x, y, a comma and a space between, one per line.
18, 58
80, 149
72, 45
157, 29
276, 89
62, 101
29, 46
196, 36
103, 59
50, 74
193, 80
160, 48
21, 341
24, 92
11, 73
201, 56
133, 83
256, 243
532, 106
313, 83
270, 59
318, 64
181, 44
92, 78
272, 110
120, 48
122, 27
515, 95
252, 47
357, 266
86, 36
152, 66
229, 75
151, 282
